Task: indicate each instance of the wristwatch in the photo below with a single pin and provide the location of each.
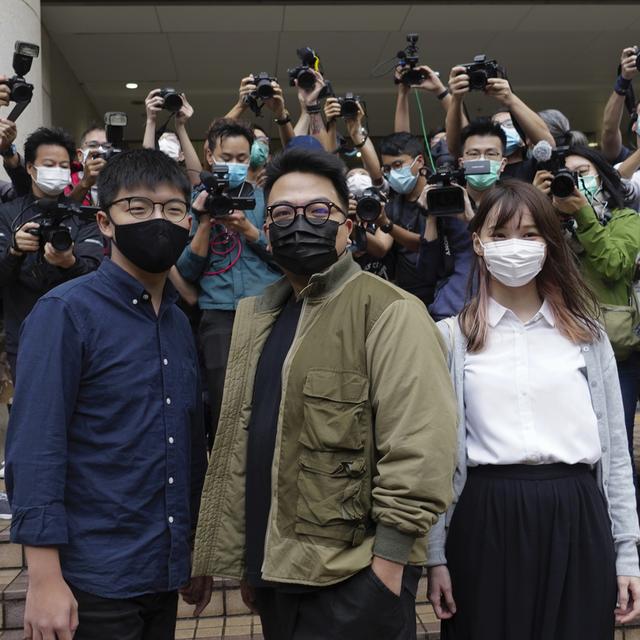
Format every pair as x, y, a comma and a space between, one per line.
365, 137
282, 121
387, 227
10, 152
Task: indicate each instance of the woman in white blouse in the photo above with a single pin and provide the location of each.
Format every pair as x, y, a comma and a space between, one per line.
540, 541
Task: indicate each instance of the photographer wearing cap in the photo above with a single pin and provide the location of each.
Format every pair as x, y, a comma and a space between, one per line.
225, 255
27, 268
513, 109
446, 250
359, 447
106, 452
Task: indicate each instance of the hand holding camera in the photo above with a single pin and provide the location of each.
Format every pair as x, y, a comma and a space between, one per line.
542, 181
5, 92
500, 89
311, 96
184, 113
59, 258
8, 133
629, 62
153, 104
24, 241
332, 109
458, 82
93, 165
275, 103
571, 204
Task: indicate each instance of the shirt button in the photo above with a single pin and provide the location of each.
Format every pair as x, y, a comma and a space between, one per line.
135, 301
170, 480
604, 449
170, 439
170, 519
168, 400
165, 362
585, 348
145, 296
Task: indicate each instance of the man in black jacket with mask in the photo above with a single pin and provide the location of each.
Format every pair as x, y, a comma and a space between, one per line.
30, 267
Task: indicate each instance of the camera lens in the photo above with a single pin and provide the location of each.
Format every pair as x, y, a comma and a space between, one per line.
219, 206
306, 80
264, 89
563, 185
478, 80
21, 91
349, 109
368, 208
172, 101
60, 239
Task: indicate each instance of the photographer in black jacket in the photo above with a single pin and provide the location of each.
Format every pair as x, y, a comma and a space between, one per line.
29, 267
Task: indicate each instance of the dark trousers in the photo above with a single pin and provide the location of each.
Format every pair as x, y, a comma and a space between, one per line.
148, 617
629, 376
360, 608
214, 338
12, 358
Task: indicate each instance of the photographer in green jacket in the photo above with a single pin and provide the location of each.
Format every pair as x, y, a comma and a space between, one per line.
336, 442
605, 236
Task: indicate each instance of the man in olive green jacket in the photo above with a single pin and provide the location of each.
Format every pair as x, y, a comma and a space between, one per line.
335, 449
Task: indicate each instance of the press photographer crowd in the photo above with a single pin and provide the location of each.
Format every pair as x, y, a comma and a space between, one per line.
318, 365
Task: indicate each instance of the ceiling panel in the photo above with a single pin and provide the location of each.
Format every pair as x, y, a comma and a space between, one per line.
581, 17
345, 17
107, 19
180, 17
471, 17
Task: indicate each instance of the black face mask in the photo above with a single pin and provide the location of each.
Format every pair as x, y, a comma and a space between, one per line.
152, 245
303, 248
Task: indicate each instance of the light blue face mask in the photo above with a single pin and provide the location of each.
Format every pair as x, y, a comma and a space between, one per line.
237, 173
259, 154
514, 141
589, 186
403, 180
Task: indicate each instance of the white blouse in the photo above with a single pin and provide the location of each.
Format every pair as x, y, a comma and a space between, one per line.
527, 399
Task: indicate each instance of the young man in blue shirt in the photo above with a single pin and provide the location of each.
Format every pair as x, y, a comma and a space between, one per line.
105, 450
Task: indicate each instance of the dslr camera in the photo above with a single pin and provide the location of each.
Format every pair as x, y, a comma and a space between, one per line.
54, 211
114, 124
303, 72
221, 200
369, 204
263, 91
21, 90
349, 105
480, 70
408, 61
564, 181
172, 99
447, 199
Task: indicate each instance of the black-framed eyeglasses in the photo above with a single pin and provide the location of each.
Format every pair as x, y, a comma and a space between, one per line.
316, 213
142, 208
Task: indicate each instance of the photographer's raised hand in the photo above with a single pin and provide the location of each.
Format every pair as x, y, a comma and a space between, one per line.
5, 92
275, 104
185, 112
92, 168
431, 82
8, 133
628, 68
237, 221
500, 89
458, 83
247, 86
63, 259
571, 204
153, 104
332, 110
308, 98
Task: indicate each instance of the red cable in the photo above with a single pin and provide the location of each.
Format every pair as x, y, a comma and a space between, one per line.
223, 238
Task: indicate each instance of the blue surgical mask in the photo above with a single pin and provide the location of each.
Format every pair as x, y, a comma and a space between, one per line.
237, 173
514, 141
403, 180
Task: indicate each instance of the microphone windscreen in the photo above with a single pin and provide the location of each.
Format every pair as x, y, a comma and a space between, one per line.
542, 151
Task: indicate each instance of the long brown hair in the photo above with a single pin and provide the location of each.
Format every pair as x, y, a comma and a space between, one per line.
574, 306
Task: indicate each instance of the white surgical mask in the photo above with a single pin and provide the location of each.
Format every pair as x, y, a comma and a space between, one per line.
515, 262
358, 182
170, 147
52, 180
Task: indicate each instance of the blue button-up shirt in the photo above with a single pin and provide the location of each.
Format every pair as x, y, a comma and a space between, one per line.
105, 449
234, 268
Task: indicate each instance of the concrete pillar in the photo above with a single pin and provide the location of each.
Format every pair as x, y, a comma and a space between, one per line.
20, 20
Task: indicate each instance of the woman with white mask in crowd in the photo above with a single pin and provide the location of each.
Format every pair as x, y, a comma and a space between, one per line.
540, 541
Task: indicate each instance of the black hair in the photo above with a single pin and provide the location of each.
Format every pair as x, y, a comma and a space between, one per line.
94, 126
484, 127
140, 168
398, 144
45, 135
222, 128
311, 161
614, 189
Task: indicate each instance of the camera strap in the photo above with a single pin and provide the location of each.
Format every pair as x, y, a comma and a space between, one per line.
446, 255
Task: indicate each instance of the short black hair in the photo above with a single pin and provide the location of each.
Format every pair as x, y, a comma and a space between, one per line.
47, 135
401, 143
140, 168
222, 128
311, 161
94, 126
484, 127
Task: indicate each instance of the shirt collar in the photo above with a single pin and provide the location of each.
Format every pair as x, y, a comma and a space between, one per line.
496, 313
131, 289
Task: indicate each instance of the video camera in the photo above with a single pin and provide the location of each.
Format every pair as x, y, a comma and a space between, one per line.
480, 70
263, 91
222, 201
53, 213
172, 99
21, 90
115, 122
349, 105
408, 61
549, 159
369, 204
447, 199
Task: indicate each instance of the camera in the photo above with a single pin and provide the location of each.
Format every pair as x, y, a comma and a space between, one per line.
408, 61
349, 105
369, 204
221, 200
172, 99
54, 211
480, 70
114, 124
21, 91
637, 48
263, 91
303, 72
447, 199
564, 181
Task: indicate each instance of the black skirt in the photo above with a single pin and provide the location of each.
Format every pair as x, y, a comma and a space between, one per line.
531, 556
